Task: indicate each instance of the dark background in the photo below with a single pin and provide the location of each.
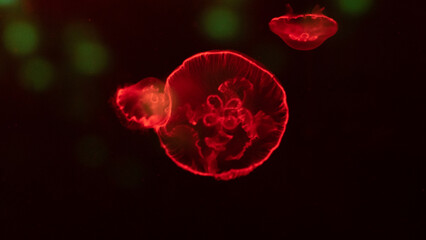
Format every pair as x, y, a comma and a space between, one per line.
347, 168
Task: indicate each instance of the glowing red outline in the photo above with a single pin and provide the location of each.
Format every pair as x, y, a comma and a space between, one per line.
316, 13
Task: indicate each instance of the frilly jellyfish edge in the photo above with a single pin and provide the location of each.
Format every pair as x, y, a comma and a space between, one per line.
304, 31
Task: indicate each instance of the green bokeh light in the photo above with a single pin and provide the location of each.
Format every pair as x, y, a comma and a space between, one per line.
221, 23
91, 151
87, 53
7, 3
36, 75
20, 38
89, 57
355, 6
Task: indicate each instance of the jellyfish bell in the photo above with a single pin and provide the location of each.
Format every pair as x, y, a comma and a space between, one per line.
227, 116
144, 104
304, 31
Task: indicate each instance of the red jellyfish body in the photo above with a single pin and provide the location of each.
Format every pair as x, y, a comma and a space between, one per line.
227, 115
304, 31
144, 104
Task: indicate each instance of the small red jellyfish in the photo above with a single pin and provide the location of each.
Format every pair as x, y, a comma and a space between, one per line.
144, 104
304, 31
219, 114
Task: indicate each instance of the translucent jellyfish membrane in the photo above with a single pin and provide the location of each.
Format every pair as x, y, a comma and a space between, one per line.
228, 115
144, 104
304, 31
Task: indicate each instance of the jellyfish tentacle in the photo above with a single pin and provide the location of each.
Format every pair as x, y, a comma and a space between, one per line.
289, 9
317, 9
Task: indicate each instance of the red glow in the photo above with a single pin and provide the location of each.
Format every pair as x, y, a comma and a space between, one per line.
304, 31
219, 114
228, 115
144, 104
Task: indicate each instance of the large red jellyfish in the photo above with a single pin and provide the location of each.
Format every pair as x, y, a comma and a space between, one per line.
225, 114
304, 31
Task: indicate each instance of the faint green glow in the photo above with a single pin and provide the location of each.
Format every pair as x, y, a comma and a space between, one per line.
7, 3
89, 57
36, 75
355, 6
20, 38
91, 151
221, 23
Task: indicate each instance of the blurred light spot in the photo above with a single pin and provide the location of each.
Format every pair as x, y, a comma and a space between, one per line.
89, 58
20, 38
86, 57
91, 151
87, 53
221, 23
36, 75
7, 3
355, 6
